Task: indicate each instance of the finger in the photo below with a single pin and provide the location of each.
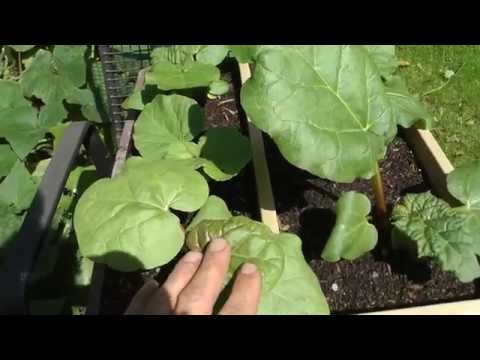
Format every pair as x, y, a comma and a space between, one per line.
201, 293
164, 299
141, 298
245, 294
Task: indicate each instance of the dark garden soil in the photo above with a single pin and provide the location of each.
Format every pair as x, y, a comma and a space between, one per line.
239, 194
380, 280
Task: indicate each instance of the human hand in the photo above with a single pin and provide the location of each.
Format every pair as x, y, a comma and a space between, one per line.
192, 288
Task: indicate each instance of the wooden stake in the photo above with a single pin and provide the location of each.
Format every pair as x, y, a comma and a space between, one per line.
266, 200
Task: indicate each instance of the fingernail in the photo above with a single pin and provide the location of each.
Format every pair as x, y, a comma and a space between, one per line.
192, 257
217, 245
248, 269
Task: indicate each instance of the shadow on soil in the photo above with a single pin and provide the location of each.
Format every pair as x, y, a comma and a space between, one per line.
315, 228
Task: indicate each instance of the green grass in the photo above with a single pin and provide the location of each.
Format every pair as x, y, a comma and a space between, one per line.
456, 106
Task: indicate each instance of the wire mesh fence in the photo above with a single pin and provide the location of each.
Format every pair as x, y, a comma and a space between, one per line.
121, 64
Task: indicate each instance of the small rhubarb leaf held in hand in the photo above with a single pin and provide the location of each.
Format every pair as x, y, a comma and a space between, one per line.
289, 286
169, 120
126, 222
18, 188
353, 235
214, 209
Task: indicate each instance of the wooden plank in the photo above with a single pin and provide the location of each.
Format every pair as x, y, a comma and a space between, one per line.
266, 202
126, 137
123, 147
432, 160
469, 307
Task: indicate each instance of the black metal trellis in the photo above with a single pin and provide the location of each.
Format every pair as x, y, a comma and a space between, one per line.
121, 64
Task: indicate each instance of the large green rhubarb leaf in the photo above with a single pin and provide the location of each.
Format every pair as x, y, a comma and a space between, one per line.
344, 100
352, 235
324, 106
288, 284
126, 222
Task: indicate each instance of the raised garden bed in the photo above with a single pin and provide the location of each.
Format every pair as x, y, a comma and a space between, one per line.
295, 201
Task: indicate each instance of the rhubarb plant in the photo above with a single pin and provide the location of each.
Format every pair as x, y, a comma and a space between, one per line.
345, 100
429, 227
